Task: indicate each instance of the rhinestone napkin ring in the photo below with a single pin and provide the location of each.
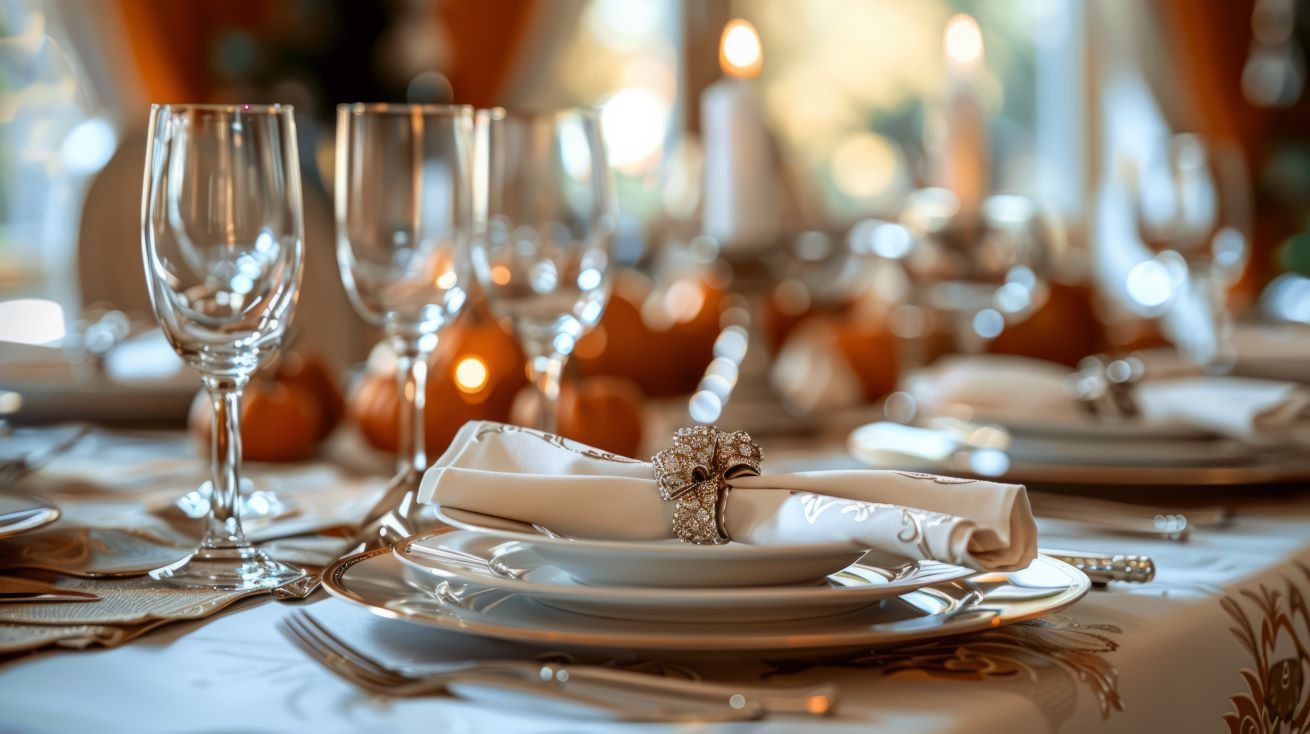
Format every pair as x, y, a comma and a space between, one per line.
694, 474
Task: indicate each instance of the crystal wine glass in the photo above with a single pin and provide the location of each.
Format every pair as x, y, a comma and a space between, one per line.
545, 220
1192, 207
403, 209
981, 271
223, 244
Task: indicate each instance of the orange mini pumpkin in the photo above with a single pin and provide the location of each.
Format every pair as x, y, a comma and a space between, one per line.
474, 375
663, 359
280, 421
313, 373
605, 412
1064, 329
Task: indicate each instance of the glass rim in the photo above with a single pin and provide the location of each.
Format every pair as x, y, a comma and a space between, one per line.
404, 108
529, 114
258, 109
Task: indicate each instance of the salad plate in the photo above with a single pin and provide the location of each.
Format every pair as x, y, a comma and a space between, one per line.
513, 566
671, 563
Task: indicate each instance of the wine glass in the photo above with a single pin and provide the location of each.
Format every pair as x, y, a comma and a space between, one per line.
223, 244
403, 209
982, 271
1192, 205
544, 234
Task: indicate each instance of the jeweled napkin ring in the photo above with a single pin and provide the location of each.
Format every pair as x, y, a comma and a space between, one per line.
695, 473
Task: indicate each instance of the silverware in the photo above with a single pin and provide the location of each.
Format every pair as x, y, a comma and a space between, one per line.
1105, 388
31, 597
1116, 516
12, 471
1164, 522
610, 692
15, 590
1103, 568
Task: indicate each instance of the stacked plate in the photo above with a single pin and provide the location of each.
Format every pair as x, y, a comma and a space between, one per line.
1112, 453
500, 579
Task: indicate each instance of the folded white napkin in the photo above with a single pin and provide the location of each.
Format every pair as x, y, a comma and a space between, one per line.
576, 490
1019, 389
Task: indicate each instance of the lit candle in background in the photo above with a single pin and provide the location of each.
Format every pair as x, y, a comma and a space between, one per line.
741, 206
962, 152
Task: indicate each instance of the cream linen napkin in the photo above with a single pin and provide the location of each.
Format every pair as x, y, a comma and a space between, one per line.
576, 490
1006, 388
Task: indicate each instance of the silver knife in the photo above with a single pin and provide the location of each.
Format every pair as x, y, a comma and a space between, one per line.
1103, 568
15, 590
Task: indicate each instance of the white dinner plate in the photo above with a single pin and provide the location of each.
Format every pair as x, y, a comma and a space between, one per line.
1019, 424
1117, 463
1132, 452
376, 581
21, 513
666, 563
478, 558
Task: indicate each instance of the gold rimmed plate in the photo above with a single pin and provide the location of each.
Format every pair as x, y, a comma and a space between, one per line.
468, 557
671, 563
375, 580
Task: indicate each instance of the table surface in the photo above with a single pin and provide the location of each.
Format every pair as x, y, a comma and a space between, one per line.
1163, 656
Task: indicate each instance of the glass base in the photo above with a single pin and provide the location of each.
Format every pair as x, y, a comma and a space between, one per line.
256, 503
228, 569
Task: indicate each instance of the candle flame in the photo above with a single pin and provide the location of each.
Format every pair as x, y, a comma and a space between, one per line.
963, 41
471, 374
740, 52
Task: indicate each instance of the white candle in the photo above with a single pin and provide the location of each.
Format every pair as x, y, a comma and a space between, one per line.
741, 198
962, 157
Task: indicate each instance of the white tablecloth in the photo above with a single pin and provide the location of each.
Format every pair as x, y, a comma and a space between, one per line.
1159, 657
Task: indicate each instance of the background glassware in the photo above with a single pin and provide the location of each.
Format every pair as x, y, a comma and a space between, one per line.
223, 244
545, 218
403, 210
981, 272
1193, 208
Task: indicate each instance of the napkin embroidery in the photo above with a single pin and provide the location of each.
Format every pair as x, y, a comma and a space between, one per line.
935, 478
554, 440
912, 521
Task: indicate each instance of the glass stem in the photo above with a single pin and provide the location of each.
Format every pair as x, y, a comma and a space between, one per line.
1221, 356
412, 378
545, 372
223, 527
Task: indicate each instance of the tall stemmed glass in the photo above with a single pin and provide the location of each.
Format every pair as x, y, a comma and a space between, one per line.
223, 243
404, 208
545, 221
1193, 208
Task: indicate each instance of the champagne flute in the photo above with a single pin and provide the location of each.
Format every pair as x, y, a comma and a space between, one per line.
544, 234
223, 245
403, 209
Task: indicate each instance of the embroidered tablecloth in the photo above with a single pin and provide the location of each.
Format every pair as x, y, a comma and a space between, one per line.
1220, 641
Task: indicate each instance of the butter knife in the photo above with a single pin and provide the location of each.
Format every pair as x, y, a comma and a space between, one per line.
15, 590
1102, 568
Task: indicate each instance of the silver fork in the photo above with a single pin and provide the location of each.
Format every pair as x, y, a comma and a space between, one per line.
20, 467
613, 692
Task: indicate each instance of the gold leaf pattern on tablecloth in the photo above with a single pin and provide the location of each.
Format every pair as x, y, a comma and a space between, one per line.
1277, 635
1048, 657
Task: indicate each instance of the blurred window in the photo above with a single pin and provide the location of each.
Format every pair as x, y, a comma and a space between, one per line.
853, 88
51, 142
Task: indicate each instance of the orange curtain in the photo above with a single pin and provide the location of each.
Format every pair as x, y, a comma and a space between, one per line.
488, 39
169, 42
1208, 43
